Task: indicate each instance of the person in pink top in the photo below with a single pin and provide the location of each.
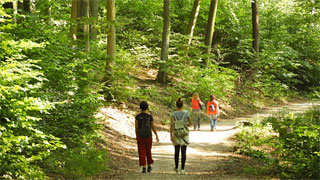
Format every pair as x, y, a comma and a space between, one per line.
196, 110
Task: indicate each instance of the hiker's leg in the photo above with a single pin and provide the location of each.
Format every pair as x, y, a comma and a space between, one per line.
199, 119
194, 118
215, 121
176, 155
142, 152
184, 156
148, 148
211, 122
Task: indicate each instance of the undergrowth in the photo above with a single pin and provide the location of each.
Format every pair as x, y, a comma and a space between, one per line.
286, 144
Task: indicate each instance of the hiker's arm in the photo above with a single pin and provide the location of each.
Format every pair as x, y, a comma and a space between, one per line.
171, 129
136, 128
154, 131
189, 121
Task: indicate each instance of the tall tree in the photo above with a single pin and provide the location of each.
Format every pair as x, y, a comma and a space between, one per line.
49, 11
255, 26
26, 6
15, 10
193, 19
84, 14
162, 74
94, 5
210, 26
74, 16
111, 43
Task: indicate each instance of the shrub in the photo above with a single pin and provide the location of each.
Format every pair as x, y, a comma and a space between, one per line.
23, 144
294, 152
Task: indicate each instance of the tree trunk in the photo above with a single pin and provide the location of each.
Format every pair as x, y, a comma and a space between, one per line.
84, 14
15, 10
111, 14
111, 44
162, 74
210, 27
49, 11
193, 19
74, 16
94, 4
26, 6
255, 27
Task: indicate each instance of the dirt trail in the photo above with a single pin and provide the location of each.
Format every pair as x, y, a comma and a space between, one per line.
209, 155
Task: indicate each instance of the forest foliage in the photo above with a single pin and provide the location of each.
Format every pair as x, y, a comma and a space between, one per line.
50, 89
291, 144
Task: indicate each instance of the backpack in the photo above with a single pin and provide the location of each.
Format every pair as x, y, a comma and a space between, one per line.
145, 129
180, 128
211, 107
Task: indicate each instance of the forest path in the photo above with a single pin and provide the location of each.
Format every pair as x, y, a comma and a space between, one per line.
209, 155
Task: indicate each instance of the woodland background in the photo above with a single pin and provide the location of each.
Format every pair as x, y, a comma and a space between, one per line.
62, 60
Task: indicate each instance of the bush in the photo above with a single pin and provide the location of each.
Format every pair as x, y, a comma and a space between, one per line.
298, 148
23, 144
77, 163
294, 152
48, 98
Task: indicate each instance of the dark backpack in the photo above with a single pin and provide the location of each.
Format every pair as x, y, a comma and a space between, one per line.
145, 129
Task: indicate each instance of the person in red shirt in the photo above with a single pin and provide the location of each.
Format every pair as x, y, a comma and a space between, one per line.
213, 112
196, 110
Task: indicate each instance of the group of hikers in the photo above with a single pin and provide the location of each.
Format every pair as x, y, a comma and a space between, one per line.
179, 131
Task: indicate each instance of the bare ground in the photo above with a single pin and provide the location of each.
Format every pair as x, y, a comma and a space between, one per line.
210, 155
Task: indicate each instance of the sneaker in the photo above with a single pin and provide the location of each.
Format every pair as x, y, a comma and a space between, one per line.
144, 170
182, 171
176, 170
149, 169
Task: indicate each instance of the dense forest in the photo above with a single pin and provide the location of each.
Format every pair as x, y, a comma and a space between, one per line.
62, 60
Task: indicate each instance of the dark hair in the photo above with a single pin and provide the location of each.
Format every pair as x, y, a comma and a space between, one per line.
143, 105
212, 97
179, 103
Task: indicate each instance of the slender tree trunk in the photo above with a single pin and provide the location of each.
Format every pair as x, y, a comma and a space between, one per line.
49, 11
252, 72
255, 27
111, 14
210, 26
20, 5
26, 6
15, 10
94, 4
193, 19
111, 44
162, 74
84, 13
74, 16
312, 13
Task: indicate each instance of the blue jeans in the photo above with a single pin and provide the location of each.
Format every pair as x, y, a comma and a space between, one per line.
213, 120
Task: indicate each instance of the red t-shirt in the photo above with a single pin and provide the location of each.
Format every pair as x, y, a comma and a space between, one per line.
195, 104
209, 109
